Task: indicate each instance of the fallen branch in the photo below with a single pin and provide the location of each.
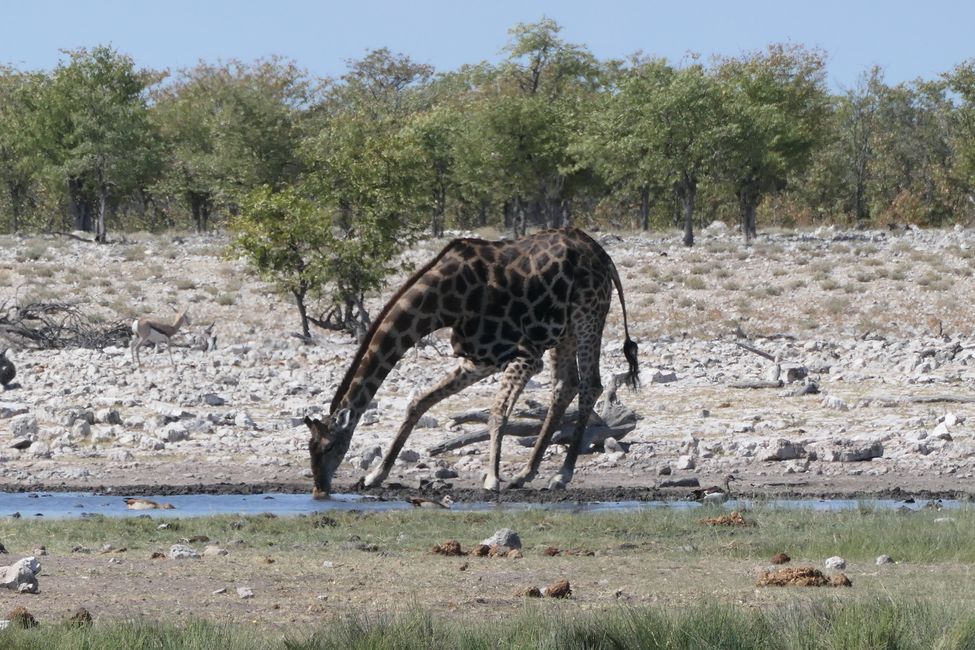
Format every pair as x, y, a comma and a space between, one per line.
755, 350
618, 421
932, 399
60, 325
756, 383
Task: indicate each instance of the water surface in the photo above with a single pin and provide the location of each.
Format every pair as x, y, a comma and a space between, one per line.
81, 504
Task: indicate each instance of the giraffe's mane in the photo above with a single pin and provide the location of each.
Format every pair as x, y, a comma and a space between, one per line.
378, 321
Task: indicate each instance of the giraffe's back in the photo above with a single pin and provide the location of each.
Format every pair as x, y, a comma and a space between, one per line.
511, 297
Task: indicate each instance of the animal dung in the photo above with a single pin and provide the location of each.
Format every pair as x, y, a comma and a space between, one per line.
529, 592
840, 580
734, 519
21, 618
450, 547
780, 558
481, 550
560, 589
806, 576
551, 551
81, 617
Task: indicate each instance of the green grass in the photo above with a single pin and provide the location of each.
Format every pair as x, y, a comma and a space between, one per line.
832, 626
924, 536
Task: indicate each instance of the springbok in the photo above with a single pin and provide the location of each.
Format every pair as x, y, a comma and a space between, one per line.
146, 330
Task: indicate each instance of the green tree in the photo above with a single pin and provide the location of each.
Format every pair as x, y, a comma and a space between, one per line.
19, 162
369, 175
776, 106
231, 128
669, 129
285, 239
618, 142
515, 148
961, 81
95, 132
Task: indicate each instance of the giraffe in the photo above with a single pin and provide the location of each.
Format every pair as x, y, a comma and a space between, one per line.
507, 303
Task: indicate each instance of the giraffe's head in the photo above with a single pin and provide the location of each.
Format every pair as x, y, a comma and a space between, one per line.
329, 442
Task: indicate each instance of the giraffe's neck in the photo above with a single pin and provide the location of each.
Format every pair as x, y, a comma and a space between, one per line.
399, 328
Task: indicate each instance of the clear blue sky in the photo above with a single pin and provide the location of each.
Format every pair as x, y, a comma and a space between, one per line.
908, 38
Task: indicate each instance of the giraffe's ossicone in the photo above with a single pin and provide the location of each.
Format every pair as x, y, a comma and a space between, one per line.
506, 302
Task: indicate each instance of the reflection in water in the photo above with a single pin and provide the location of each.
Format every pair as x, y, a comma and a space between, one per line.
80, 504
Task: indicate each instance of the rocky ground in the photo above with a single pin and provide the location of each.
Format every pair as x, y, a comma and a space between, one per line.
862, 348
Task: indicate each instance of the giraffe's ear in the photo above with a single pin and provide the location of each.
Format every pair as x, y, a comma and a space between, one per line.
342, 418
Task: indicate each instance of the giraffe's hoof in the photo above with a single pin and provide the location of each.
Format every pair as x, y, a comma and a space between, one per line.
519, 481
371, 481
556, 483
319, 495
492, 484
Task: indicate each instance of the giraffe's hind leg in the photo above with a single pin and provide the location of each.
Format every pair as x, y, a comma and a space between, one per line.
589, 332
565, 376
465, 374
516, 375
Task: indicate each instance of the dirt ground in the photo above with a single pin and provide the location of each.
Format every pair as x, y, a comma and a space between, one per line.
870, 304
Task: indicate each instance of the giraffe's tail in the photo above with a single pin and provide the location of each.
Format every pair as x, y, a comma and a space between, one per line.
629, 351
630, 348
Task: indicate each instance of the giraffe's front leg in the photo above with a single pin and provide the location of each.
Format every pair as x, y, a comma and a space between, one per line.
465, 374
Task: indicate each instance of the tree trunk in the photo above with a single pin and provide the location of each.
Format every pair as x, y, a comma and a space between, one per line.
747, 206
200, 207
78, 206
299, 295
100, 234
688, 192
645, 208
439, 208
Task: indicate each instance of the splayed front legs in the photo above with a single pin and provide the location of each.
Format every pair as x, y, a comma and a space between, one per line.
461, 377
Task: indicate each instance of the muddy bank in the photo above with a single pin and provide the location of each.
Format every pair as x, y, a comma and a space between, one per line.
524, 495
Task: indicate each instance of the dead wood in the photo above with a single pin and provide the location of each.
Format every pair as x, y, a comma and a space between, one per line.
756, 383
933, 399
615, 422
754, 350
59, 325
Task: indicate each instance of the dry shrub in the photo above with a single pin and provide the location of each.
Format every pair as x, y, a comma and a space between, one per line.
734, 519
450, 547
560, 589
805, 576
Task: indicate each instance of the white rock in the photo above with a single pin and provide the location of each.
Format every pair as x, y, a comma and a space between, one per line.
21, 576
23, 426
175, 432
835, 563
834, 402
884, 559
212, 399
504, 537
245, 592
409, 456
244, 421
182, 552
10, 409
685, 462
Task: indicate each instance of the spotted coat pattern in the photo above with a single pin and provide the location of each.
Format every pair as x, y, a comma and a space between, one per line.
506, 302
